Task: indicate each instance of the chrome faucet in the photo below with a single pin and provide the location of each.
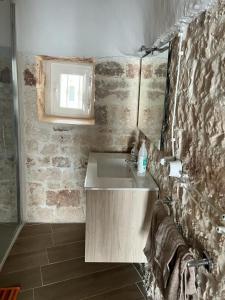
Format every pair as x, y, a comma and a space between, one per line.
131, 161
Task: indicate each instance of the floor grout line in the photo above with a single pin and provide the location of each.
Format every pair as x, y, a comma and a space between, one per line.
33, 236
66, 244
140, 291
41, 277
108, 291
82, 276
51, 229
52, 236
34, 224
27, 253
136, 269
46, 250
19, 271
141, 278
62, 261
26, 290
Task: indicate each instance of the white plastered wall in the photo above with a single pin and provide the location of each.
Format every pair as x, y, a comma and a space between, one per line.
97, 27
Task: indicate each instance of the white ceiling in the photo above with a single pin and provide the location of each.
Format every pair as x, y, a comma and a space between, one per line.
97, 27
171, 14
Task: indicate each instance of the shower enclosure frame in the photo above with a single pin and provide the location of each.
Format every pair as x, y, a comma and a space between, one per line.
16, 120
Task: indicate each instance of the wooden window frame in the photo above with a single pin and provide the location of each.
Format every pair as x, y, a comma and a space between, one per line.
41, 85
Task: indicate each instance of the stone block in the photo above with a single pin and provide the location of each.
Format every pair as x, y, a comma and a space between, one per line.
35, 194
101, 114
70, 214
161, 70
37, 214
132, 71
29, 78
109, 68
147, 71
49, 149
61, 162
63, 198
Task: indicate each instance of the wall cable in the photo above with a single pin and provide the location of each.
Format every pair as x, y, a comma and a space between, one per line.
176, 92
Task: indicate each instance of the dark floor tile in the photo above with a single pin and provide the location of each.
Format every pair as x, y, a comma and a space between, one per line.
126, 293
7, 232
66, 252
68, 233
32, 244
67, 226
97, 283
140, 268
26, 295
33, 230
36, 223
71, 269
27, 279
25, 261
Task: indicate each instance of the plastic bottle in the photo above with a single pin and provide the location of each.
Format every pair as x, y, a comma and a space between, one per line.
142, 160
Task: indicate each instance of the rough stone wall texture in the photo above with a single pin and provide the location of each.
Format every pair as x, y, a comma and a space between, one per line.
56, 155
172, 15
201, 126
8, 206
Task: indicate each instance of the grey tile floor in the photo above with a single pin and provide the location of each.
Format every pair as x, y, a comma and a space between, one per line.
7, 231
47, 261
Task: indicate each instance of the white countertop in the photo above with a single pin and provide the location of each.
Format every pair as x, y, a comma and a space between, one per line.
109, 171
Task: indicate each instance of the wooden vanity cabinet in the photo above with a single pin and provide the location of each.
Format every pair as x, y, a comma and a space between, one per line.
117, 225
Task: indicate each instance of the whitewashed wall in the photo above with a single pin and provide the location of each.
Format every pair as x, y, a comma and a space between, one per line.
96, 27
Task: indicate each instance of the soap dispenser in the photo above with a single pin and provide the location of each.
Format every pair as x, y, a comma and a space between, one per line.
142, 160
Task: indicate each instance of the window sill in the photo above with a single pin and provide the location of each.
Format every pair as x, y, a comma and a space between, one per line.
43, 82
64, 120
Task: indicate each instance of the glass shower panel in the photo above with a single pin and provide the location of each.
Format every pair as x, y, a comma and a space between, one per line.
9, 196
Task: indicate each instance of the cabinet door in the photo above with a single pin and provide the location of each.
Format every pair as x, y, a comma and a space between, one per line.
117, 225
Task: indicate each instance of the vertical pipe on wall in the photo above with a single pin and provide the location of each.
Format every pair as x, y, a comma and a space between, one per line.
176, 92
139, 90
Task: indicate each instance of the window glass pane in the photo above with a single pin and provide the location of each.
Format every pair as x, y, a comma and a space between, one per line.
71, 91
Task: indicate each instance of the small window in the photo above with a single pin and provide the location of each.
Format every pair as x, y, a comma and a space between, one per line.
65, 90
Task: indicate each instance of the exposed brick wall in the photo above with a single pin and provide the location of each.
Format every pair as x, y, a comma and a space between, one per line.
201, 123
56, 155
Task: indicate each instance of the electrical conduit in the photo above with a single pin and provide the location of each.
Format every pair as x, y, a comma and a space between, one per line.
176, 93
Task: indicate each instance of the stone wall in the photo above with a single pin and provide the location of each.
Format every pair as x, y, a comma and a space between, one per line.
152, 95
8, 205
200, 127
56, 155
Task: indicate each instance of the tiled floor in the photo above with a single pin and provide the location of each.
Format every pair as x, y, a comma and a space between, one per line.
47, 261
7, 231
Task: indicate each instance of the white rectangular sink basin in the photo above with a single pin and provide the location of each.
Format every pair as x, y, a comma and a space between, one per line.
113, 168
110, 171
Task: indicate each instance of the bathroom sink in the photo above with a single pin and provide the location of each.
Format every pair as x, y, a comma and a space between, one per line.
110, 171
113, 168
